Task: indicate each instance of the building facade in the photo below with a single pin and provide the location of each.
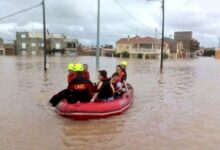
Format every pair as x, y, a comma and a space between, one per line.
190, 45
9, 49
108, 50
29, 43
2, 49
145, 47
174, 47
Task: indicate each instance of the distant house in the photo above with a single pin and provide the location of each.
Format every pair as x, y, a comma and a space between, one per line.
190, 45
108, 50
174, 47
10, 48
145, 47
2, 49
31, 43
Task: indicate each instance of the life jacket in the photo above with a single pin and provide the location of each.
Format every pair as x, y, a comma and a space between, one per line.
71, 77
116, 81
105, 91
121, 76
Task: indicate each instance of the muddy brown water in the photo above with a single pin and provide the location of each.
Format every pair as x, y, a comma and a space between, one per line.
178, 110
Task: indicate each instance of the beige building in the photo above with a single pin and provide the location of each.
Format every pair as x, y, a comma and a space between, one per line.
2, 49
9, 49
175, 47
137, 47
190, 45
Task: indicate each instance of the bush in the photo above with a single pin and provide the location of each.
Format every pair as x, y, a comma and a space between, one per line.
125, 55
117, 54
209, 53
147, 57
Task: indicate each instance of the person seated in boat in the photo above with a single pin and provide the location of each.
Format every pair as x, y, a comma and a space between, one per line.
64, 94
124, 65
105, 88
122, 77
81, 88
86, 72
118, 86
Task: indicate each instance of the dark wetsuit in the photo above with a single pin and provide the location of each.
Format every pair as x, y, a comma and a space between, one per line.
105, 92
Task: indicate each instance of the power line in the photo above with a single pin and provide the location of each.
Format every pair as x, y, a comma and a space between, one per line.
21, 11
132, 16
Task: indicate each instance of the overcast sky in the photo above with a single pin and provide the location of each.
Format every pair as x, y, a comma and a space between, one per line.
77, 18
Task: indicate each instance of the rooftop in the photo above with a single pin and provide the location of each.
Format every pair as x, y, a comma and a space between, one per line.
137, 39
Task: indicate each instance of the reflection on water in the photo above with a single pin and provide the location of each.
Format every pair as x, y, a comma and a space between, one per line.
178, 109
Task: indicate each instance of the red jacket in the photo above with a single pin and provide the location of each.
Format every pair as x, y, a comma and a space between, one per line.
121, 77
71, 77
86, 75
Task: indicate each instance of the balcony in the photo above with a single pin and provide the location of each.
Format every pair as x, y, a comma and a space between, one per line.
144, 51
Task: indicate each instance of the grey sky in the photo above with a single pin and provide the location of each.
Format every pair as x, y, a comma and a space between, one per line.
78, 19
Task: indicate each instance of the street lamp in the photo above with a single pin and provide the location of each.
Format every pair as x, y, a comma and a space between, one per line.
98, 34
162, 42
44, 37
162, 35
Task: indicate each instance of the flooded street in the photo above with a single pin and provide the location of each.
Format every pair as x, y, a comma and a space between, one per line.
178, 110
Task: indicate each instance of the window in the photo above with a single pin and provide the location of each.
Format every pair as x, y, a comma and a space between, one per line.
23, 36
42, 44
135, 46
33, 44
23, 45
57, 46
71, 45
146, 46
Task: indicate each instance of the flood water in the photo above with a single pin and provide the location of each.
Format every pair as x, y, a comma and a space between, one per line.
176, 110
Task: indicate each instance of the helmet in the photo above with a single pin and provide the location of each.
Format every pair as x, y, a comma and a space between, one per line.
124, 62
71, 67
78, 67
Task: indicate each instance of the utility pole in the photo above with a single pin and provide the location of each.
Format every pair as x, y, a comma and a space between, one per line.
162, 38
98, 34
44, 32
155, 46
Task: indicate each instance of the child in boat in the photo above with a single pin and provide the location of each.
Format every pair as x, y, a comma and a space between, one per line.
122, 76
117, 85
105, 88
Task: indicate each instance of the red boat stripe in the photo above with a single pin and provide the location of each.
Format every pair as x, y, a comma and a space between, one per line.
96, 114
